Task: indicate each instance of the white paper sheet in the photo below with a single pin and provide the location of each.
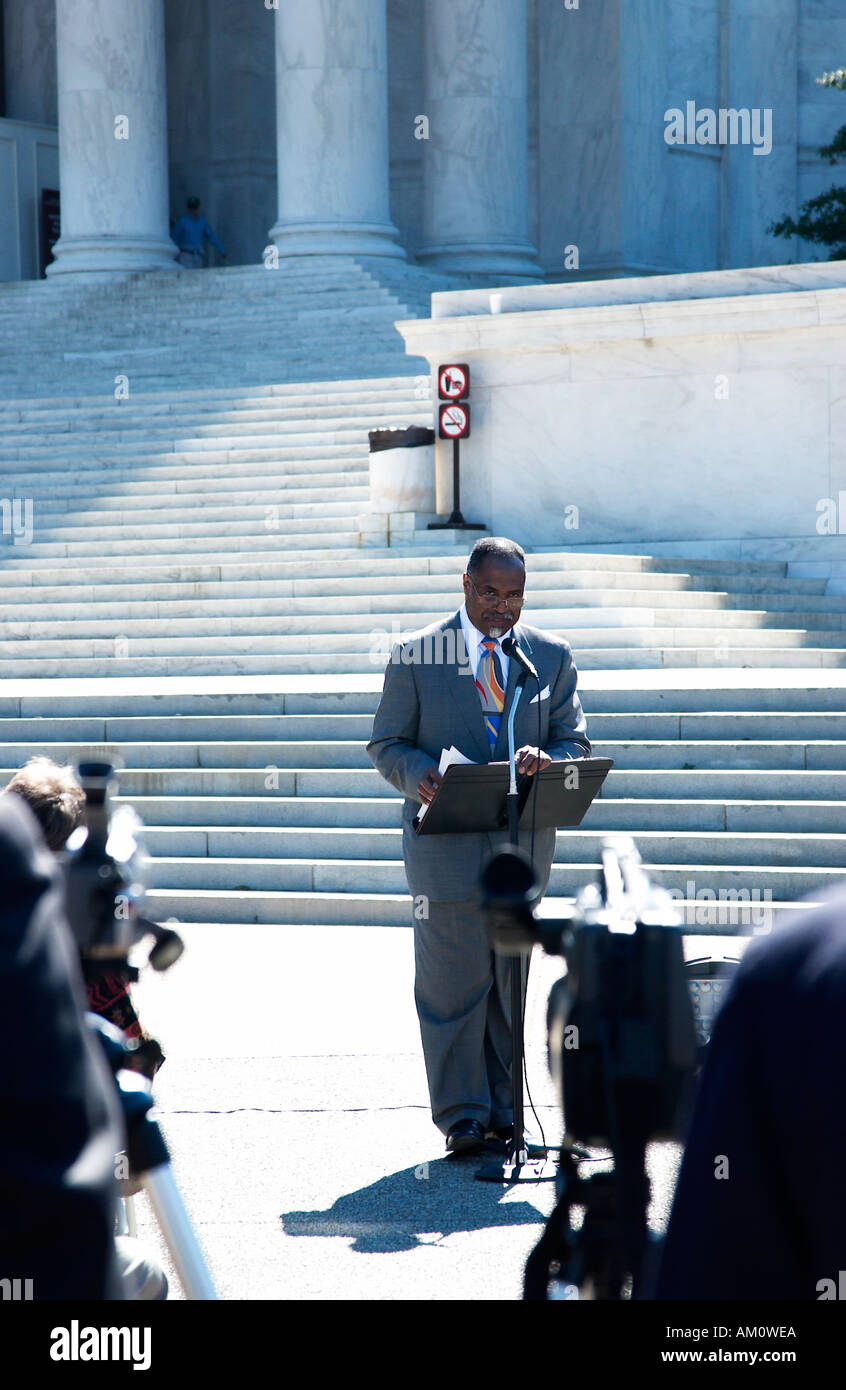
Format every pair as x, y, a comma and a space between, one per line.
448, 757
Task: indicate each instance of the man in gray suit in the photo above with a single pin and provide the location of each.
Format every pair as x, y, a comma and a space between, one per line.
452, 684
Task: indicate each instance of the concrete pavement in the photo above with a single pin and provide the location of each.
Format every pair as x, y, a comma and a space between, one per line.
294, 1100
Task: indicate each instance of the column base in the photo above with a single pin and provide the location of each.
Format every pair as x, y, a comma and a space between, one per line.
104, 255
337, 239
514, 261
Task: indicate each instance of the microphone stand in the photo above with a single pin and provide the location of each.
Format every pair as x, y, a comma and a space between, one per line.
517, 1166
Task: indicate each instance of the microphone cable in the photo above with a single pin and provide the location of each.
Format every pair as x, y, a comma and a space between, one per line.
534, 796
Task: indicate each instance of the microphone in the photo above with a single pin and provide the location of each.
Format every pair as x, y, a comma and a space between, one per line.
511, 649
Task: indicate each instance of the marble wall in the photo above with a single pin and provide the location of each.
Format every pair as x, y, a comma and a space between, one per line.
705, 409
29, 49
29, 162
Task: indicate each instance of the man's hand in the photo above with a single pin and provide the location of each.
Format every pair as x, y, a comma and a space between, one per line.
428, 784
530, 760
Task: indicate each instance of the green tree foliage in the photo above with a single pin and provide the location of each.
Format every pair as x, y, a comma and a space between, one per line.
823, 219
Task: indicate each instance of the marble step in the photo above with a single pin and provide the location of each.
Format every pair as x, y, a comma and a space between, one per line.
258, 733
776, 792
326, 348
176, 508
377, 391
381, 628
256, 873
309, 637
801, 797
395, 910
119, 427
266, 327
232, 469
635, 659
112, 423
373, 349
303, 559
341, 583
31, 447
319, 406
100, 701
157, 378
244, 539
361, 652
322, 845
268, 598
799, 754
263, 413
55, 493
316, 633
335, 565
254, 808
198, 524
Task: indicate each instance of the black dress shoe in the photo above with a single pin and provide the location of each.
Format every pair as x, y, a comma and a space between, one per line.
466, 1137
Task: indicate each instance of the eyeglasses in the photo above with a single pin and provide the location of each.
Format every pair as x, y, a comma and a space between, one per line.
489, 595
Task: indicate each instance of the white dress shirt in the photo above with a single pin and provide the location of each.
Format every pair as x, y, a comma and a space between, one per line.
473, 639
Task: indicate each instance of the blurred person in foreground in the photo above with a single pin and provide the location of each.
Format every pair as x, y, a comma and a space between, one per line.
760, 1205
60, 1122
57, 800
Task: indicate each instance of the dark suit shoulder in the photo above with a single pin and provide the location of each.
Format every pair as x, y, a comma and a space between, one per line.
805, 956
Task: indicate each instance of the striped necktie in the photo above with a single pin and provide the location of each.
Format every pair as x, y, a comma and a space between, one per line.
489, 686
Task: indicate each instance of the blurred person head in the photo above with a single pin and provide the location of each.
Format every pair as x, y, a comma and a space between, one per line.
54, 796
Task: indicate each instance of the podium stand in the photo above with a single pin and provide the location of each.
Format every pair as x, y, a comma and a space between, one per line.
472, 797
477, 798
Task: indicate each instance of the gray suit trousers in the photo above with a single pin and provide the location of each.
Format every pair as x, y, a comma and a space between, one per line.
463, 995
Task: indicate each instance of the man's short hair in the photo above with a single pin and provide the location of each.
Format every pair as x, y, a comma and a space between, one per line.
193, 202
53, 794
494, 548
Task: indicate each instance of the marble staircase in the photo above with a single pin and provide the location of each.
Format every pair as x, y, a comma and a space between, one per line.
195, 599
307, 319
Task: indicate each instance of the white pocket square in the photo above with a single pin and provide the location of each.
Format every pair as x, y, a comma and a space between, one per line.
544, 695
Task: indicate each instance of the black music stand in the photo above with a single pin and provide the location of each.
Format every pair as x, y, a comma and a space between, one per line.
473, 798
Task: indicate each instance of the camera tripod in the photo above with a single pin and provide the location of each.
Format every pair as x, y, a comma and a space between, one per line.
606, 1258
149, 1163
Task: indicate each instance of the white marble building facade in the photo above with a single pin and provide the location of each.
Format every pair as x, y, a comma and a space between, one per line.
516, 140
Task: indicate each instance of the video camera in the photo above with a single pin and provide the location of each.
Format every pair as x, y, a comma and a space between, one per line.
105, 867
623, 1049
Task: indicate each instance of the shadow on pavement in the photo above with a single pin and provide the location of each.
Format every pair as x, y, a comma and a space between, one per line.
414, 1207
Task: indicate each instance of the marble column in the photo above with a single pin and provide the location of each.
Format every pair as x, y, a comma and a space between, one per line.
112, 138
475, 161
759, 64
29, 48
332, 130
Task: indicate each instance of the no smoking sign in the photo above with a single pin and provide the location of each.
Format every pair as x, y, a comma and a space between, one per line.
454, 420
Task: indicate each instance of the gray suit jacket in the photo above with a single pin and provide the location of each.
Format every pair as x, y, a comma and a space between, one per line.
429, 702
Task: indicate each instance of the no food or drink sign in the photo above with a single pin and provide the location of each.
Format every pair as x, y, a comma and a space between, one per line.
453, 381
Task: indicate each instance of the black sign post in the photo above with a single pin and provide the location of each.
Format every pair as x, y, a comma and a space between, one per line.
454, 424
